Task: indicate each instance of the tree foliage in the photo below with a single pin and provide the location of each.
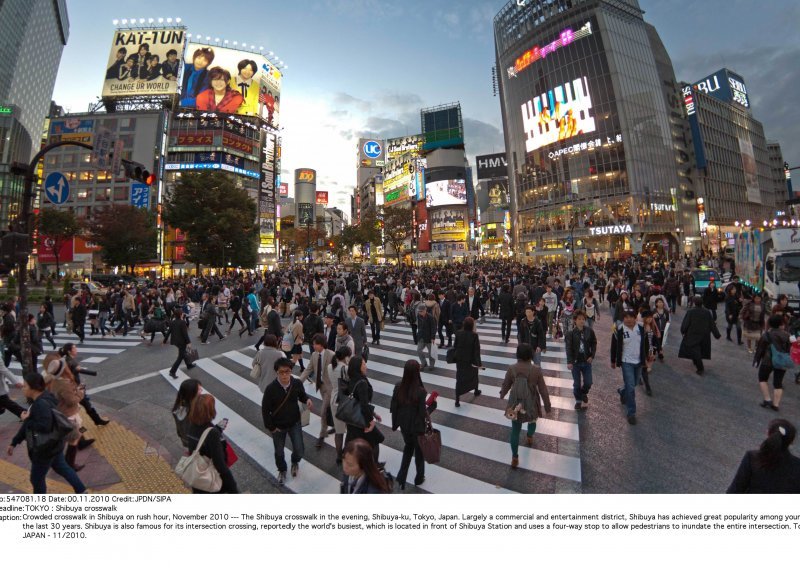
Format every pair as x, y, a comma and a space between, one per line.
59, 226
296, 240
398, 227
217, 217
126, 234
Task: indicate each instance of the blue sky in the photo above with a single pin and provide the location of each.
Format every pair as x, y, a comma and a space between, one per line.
366, 67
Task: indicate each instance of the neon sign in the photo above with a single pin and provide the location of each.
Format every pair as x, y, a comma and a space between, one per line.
536, 53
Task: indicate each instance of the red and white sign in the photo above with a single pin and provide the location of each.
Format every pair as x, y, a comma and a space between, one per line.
283, 190
46, 250
83, 246
322, 198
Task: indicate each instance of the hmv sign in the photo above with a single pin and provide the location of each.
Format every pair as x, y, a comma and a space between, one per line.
492, 166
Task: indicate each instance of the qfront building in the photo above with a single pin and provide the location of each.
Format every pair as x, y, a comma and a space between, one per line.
591, 159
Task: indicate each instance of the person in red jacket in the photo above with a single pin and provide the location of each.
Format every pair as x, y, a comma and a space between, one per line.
220, 97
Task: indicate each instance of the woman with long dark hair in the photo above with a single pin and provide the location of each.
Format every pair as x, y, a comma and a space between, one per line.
337, 371
771, 468
408, 414
187, 393
361, 473
361, 391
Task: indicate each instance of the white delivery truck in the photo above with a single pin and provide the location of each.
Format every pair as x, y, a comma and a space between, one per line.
768, 261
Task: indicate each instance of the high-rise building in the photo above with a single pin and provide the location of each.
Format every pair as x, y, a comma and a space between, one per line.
737, 180
34, 33
588, 134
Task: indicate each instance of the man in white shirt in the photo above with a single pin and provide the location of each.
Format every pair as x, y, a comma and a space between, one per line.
628, 352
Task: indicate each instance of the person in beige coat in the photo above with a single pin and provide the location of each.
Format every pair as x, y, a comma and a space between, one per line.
62, 384
374, 310
537, 390
317, 373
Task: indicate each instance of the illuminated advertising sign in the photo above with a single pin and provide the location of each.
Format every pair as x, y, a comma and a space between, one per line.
47, 249
446, 192
690, 105
498, 193
423, 228
228, 81
144, 62
725, 86
400, 180
449, 249
305, 176
447, 225
558, 114
283, 190
267, 202
492, 166
396, 147
371, 153
73, 129
580, 147
536, 53
322, 198
212, 166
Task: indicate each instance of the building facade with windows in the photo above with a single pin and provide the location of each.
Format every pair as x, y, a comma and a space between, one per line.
590, 149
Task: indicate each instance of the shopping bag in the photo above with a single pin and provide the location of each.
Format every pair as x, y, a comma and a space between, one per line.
795, 352
665, 335
434, 351
305, 415
192, 355
430, 442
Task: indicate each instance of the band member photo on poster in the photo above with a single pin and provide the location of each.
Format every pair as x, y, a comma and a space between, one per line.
144, 62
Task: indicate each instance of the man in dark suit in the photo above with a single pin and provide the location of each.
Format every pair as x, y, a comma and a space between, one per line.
474, 304
445, 319
358, 330
330, 330
179, 337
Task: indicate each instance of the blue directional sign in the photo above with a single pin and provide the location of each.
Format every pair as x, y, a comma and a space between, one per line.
56, 187
140, 195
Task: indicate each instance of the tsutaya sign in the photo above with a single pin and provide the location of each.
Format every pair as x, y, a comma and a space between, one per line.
611, 230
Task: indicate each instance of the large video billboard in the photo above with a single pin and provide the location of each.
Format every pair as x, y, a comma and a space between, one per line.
396, 147
228, 81
400, 180
144, 63
446, 192
558, 114
447, 225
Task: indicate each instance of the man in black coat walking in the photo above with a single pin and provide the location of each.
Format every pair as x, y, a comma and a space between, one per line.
179, 337
697, 327
445, 319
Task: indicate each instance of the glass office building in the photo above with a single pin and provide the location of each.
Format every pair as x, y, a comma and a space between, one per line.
590, 149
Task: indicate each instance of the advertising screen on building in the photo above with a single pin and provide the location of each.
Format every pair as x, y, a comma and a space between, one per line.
558, 114
396, 147
498, 193
144, 62
400, 180
322, 198
725, 86
72, 129
423, 227
371, 153
228, 81
267, 201
750, 170
447, 225
446, 192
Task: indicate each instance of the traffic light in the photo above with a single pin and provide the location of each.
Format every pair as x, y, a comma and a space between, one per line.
137, 172
14, 247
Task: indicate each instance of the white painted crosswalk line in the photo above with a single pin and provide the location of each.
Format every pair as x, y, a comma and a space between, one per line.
473, 411
258, 446
437, 479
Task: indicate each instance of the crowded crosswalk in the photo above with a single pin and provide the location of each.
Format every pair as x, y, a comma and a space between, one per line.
475, 453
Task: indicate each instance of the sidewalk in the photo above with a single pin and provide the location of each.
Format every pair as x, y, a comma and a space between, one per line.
120, 461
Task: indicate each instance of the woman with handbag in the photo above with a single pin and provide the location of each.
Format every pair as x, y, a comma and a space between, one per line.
361, 473
361, 391
187, 393
775, 337
60, 381
408, 413
38, 419
201, 417
467, 355
337, 371
524, 399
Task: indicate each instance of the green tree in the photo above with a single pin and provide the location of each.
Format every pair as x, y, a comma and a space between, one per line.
217, 217
398, 226
296, 240
369, 231
126, 234
56, 227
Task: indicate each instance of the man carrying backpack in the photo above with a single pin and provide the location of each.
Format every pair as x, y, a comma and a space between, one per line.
581, 346
524, 383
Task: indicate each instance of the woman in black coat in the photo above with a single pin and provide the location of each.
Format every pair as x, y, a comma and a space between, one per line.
468, 360
771, 468
697, 328
408, 414
506, 301
361, 390
201, 415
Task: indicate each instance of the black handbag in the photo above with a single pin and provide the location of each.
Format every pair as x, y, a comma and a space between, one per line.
349, 411
192, 355
46, 445
451, 355
365, 353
